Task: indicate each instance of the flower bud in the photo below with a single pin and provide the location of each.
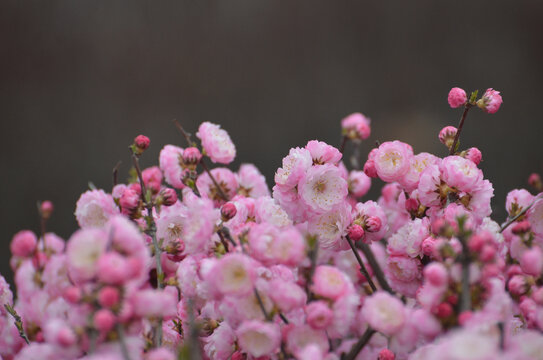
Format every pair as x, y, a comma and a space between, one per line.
228, 211
373, 224
411, 205
169, 196
521, 227
429, 246
356, 232
356, 127
447, 135
46, 209
141, 142
130, 201
369, 169
72, 294
457, 97
24, 243
108, 296
531, 261
535, 181
436, 274
386, 354
517, 285
476, 243
104, 320
474, 155
491, 101
191, 157
443, 310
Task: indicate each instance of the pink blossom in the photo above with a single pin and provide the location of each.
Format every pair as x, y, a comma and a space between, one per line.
517, 200
329, 282
491, 101
160, 354
83, 252
429, 186
94, 208
384, 312
295, 164
446, 135
298, 337
234, 274
331, 227
404, 274
170, 160
359, 183
130, 202
419, 162
532, 261
322, 188
322, 153
460, 173
259, 338
251, 183
457, 97
104, 320
363, 212
152, 178
474, 155
268, 210
113, 268
155, 303
216, 143
24, 243
286, 295
226, 180
535, 216
408, 239
392, 160
356, 126
221, 344
319, 315
436, 274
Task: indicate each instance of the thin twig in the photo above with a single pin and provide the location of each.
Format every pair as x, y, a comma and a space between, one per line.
377, 271
465, 296
342, 144
116, 173
219, 189
452, 150
261, 304
364, 339
185, 134
136, 162
18, 322
363, 269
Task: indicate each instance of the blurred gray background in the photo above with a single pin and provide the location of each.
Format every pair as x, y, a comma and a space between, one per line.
80, 79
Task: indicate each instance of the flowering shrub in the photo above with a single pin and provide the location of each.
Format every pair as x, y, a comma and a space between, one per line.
187, 262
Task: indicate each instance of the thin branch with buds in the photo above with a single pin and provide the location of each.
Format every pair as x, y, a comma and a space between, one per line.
355, 350
452, 149
18, 322
377, 271
516, 217
363, 269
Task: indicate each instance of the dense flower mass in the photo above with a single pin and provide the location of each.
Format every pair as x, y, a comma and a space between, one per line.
186, 262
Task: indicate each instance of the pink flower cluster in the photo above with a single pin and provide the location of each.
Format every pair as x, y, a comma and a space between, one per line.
188, 262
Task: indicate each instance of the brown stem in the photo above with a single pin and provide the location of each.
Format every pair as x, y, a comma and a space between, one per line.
363, 269
116, 174
136, 162
465, 296
219, 189
261, 304
185, 134
344, 140
18, 322
452, 150
379, 274
364, 339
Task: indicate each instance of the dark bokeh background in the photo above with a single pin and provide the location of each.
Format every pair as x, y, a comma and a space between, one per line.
79, 79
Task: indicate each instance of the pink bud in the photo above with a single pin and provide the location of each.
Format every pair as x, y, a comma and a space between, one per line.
369, 169
476, 243
513, 270
411, 205
535, 181
129, 201
531, 261
537, 296
228, 211
457, 97
491, 101
429, 246
436, 274
191, 156
169, 196
386, 354
447, 135
373, 224
24, 243
142, 142
443, 310
517, 285
238, 355
108, 296
46, 209
72, 294
104, 320
521, 227
474, 155
356, 232
438, 225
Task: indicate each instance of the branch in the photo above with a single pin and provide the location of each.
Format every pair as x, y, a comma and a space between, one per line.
363, 269
379, 274
355, 350
122, 342
452, 149
18, 322
514, 218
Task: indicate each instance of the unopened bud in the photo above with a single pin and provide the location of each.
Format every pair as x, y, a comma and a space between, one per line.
369, 169
521, 227
169, 196
411, 205
535, 181
386, 354
474, 155
491, 101
447, 135
130, 201
191, 157
373, 224
228, 211
356, 232
141, 143
46, 209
